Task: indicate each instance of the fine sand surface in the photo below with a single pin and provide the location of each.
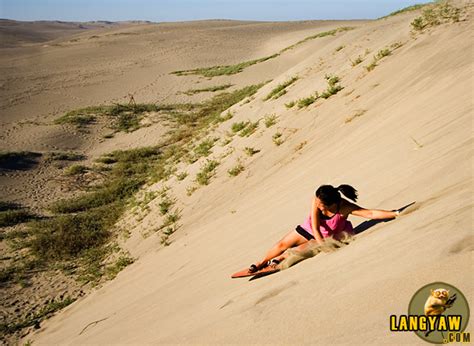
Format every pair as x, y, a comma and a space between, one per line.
399, 133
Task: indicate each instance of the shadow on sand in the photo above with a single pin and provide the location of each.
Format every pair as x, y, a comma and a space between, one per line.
18, 161
364, 226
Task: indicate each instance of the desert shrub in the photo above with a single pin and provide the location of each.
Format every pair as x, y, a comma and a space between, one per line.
357, 61
207, 171
305, 102
14, 216
441, 12
237, 127
270, 120
226, 117
181, 176
65, 156
204, 148
280, 89
75, 170
251, 151
235, 171
166, 204
333, 87
249, 129
383, 53
122, 262
277, 138
380, 55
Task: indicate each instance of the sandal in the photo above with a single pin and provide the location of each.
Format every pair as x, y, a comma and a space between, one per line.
253, 268
273, 263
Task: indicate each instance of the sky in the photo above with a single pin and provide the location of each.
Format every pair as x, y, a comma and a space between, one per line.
179, 10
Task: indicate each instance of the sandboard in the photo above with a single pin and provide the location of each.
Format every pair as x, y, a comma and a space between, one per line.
262, 272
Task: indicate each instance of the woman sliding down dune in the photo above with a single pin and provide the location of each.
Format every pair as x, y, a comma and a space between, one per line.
328, 218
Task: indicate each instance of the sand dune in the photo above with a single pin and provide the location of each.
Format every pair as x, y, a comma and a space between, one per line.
16, 33
400, 132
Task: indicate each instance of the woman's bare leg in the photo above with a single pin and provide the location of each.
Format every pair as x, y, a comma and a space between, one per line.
290, 240
298, 248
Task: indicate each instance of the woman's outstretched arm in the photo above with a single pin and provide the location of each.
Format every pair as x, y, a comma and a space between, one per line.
374, 214
315, 222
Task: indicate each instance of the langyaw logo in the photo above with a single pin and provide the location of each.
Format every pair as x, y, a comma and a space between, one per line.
437, 313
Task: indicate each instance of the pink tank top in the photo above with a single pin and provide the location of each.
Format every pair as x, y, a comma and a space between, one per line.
329, 227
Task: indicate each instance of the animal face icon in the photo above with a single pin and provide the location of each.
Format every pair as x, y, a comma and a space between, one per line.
440, 293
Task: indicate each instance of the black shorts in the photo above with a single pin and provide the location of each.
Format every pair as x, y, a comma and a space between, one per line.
304, 232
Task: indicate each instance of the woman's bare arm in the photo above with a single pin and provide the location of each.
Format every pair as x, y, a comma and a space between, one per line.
374, 214
315, 221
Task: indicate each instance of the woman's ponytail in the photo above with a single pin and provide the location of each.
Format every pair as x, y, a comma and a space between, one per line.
348, 191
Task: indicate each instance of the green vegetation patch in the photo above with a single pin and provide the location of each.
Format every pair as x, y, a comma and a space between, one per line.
66, 237
306, 101
12, 214
65, 156
405, 10
319, 35
239, 126
215, 71
207, 172
126, 117
277, 138
75, 170
280, 89
122, 262
270, 120
236, 170
357, 61
209, 89
442, 12
204, 148
333, 87
249, 129
251, 151
382, 54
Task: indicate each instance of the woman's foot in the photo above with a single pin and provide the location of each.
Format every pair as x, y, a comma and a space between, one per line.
273, 263
253, 268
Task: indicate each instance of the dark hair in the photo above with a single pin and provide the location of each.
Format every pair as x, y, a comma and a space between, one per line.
329, 194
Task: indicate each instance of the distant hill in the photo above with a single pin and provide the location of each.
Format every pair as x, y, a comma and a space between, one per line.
15, 33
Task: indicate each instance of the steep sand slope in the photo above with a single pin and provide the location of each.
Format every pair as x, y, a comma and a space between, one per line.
414, 142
